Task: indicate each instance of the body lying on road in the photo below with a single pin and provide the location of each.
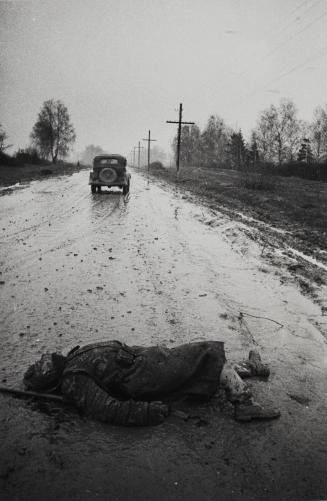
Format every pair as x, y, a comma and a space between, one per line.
135, 386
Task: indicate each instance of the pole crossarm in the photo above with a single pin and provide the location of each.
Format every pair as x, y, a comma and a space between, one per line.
182, 123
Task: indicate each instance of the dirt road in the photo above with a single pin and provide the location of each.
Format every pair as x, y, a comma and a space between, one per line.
155, 268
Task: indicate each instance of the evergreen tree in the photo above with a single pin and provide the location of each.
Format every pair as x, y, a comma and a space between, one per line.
237, 150
253, 151
305, 153
319, 133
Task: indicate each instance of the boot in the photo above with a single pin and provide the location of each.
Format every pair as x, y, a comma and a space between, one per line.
249, 410
243, 369
256, 365
252, 367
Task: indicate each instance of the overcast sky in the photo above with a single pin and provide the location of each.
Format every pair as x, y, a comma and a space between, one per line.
123, 66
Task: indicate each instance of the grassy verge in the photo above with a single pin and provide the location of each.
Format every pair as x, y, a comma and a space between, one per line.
10, 175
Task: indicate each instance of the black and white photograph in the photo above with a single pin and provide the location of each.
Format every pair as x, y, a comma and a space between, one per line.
163, 250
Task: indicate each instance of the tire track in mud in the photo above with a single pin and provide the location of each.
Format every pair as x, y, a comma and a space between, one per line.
240, 233
162, 256
191, 288
56, 225
293, 266
181, 250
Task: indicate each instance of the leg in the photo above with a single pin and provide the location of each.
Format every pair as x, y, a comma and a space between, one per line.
236, 389
240, 395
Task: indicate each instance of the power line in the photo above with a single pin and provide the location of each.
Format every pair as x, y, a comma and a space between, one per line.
298, 66
283, 75
262, 58
297, 33
312, 6
279, 77
298, 7
301, 5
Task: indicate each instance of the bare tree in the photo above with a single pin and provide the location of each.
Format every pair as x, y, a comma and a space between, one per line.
264, 135
279, 132
3, 140
214, 141
53, 133
318, 133
190, 145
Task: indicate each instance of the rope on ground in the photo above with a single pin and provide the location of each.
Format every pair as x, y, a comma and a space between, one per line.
243, 322
263, 318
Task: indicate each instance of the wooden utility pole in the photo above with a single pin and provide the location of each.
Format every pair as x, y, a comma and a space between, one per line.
179, 133
149, 142
139, 148
135, 147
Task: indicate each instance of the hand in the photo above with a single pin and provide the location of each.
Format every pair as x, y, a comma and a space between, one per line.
158, 411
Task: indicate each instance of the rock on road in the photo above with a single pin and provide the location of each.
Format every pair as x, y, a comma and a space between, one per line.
147, 269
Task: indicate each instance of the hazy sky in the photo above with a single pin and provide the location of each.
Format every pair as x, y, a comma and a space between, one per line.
123, 66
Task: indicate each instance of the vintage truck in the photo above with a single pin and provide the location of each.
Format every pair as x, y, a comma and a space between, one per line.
109, 170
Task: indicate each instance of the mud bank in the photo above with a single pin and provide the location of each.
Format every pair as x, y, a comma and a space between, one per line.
155, 268
297, 207
291, 237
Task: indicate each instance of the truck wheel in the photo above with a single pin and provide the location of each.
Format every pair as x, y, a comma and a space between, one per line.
93, 188
108, 175
126, 189
99, 189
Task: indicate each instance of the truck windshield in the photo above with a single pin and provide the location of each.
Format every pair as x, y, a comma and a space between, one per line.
108, 161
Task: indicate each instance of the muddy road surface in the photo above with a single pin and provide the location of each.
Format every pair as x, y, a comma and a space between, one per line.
152, 268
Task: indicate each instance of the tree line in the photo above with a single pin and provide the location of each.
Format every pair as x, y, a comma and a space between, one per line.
278, 138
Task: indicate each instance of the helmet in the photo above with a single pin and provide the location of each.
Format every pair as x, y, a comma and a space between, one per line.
45, 373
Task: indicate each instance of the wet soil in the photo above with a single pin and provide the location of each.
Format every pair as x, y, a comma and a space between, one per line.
157, 267
296, 206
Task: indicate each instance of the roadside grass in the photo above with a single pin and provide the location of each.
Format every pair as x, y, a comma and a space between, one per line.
23, 173
258, 181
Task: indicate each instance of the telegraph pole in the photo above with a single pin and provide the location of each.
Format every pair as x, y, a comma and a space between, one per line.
139, 148
135, 147
149, 142
179, 133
